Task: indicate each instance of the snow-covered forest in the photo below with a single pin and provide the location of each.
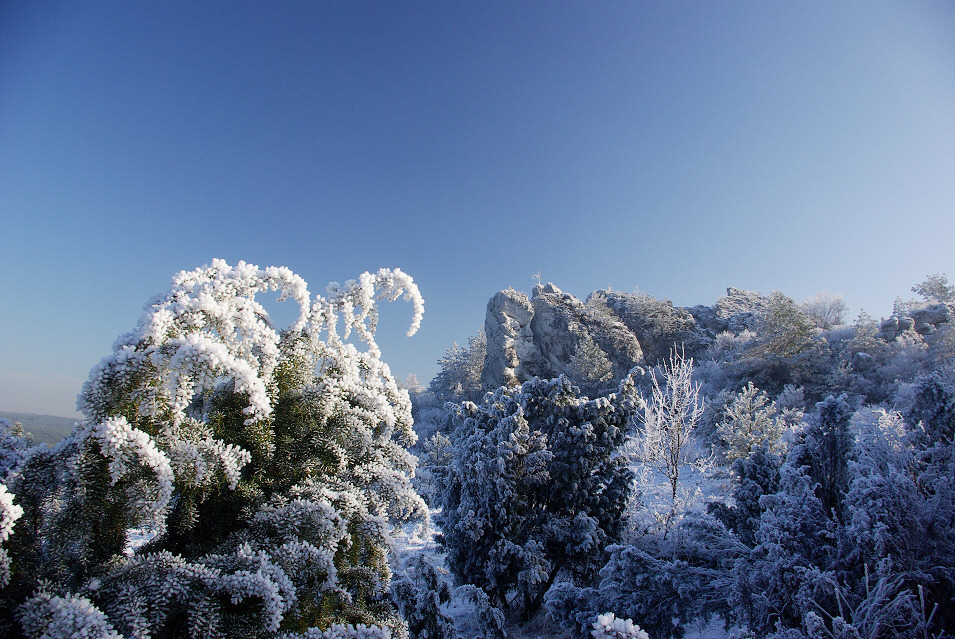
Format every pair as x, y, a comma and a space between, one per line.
613, 467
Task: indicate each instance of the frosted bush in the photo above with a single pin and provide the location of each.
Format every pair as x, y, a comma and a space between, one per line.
536, 488
269, 465
9, 513
607, 626
47, 616
339, 631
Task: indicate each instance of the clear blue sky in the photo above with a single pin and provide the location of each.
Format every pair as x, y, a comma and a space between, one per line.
675, 147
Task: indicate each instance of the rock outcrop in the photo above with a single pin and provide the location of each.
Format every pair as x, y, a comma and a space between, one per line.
512, 356
740, 309
657, 324
560, 323
552, 332
538, 336
927, 321
541, 335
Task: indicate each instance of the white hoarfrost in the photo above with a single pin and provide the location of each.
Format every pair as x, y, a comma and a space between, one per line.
608, 626
209, 328
9, 513
152, 416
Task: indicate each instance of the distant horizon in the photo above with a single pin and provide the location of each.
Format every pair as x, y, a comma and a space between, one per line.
398, 327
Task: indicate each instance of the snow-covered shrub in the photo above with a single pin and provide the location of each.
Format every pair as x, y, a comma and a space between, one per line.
536, 488
608, 626
858, 539
666, 583
753, 477
826, 451
14, 442
663, 582
46, 616
9, 513
268, 465
432, 466
341, 631
489, 616
419, 595
775, 583
787, 350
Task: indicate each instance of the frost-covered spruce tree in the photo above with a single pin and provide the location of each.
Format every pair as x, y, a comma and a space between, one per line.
419, 593
536, 488
266, 465
789, 572
753, 477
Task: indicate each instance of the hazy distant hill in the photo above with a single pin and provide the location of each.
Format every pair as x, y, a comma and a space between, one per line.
45, 428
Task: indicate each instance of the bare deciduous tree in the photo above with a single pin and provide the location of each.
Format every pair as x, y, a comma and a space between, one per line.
670, 417
825, 310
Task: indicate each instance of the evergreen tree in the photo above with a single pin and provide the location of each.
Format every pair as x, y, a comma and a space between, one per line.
460, 374
753, 477
536, 488
749, 421
265, 465
828, 446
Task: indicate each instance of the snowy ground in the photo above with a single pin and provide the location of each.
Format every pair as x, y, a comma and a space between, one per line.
412, 540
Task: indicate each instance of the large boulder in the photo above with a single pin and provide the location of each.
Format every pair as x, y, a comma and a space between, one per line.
928, 319
741, 309
925, 321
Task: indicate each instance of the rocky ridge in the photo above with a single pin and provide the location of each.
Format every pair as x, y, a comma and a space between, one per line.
538, 336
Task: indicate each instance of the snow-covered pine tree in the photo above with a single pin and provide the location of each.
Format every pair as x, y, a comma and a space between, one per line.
268, 466
419, 593
749, 421
590, 367
536, 488
753, 477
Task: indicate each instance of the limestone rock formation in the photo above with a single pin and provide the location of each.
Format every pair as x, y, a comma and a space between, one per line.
539, 336
512, 356
542, 335
560, 323
925, 321
740, 309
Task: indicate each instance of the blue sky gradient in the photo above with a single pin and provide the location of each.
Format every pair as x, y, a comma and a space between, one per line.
676, 147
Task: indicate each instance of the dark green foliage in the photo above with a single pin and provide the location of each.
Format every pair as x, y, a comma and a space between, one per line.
268, 468
828, 447
535, 489
753, 477
419, 596
932, 411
